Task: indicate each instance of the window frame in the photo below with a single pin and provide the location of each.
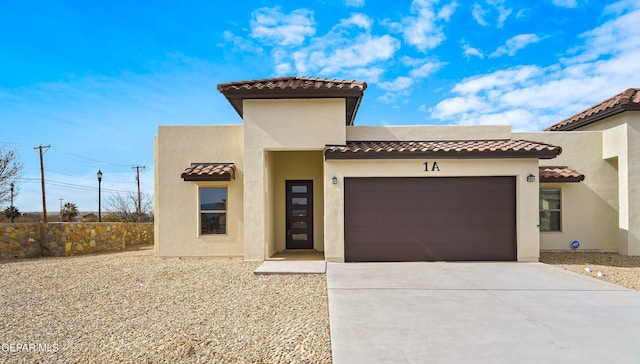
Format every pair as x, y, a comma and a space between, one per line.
558, 210
201, 211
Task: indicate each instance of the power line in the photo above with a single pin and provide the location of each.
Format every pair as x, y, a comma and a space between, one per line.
87, 160
77, 187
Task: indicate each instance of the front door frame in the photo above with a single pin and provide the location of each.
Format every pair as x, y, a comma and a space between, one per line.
293, 234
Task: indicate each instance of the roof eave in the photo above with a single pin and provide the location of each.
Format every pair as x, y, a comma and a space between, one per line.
223, 178
561, 179
590, 119
330, 154
352, 96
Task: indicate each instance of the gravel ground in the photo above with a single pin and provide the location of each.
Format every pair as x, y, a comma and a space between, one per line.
131, 307
615, 268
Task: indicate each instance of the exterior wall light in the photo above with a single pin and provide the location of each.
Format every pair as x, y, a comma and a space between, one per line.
531, 178
334, 180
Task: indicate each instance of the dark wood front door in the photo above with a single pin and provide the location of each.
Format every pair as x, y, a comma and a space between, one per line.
299, 214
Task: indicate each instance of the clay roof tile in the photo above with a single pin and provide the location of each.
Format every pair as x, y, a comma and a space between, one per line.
559, 174
625, 101
442, 149
209, 172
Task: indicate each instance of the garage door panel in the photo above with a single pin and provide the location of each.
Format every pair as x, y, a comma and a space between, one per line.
453, 235
427, 199
436, 218
407, 252
409, 219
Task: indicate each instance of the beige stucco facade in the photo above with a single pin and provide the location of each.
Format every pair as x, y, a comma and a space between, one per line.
589, 208
603, 211
176, 204
283, 139
272, 126
526, 194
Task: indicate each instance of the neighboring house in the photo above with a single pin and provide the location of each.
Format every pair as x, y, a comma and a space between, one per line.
297, 174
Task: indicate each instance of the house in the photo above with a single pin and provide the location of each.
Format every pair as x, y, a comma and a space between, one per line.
299, 174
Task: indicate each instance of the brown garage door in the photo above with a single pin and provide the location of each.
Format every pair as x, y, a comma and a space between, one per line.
430, 219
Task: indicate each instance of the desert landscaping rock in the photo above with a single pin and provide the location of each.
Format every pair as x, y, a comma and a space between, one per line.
132, 307
615, 268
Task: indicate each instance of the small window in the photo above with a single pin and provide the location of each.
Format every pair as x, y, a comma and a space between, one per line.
213, 211
550, 212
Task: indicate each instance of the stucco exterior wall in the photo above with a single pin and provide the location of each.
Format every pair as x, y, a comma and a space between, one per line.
177, 203
280, 125
589, 208
633, 241
428, 132
270, 203
622, 133
526, 193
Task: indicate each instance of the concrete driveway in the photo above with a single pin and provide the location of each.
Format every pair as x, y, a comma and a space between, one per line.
478, 313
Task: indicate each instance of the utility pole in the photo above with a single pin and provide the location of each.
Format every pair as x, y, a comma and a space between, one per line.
139, 207
44, 199
61, 199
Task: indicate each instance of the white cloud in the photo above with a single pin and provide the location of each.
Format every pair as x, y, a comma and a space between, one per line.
469, 51
283, 69
361, 52
480, 13
354, 3
519, 119
622, 6
614, 36
565, 3
523, 13
401, 83
514, 44
423, 30
348, 49
401, 86
503, 14
359, 20
274, 27
447, 11
426, 69
457, 105
532, 97
240, 43
504, 78
371, 74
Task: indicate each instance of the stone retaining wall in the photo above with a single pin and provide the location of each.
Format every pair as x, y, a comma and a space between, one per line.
30, 240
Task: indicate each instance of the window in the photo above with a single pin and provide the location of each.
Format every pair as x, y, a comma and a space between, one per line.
213, 211
550, 209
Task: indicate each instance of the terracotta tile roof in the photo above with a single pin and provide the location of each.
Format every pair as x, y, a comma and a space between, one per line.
624, 101
478, 149
295, 87
560, 174
209, 172
292, 83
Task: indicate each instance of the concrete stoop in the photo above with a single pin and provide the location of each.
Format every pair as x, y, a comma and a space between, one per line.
292, 267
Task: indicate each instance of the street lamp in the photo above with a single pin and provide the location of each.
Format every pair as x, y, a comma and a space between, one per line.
11, 212
99, 174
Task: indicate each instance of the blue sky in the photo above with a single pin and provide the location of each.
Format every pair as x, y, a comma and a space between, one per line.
95, 79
